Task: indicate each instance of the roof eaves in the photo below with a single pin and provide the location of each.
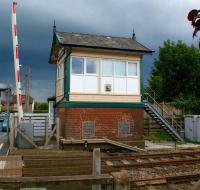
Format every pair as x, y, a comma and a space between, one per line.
107, 48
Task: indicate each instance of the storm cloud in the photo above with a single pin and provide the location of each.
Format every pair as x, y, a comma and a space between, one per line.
153, 20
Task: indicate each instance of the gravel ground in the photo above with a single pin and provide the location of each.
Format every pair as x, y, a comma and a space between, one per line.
170, 186
150, 173
168, 145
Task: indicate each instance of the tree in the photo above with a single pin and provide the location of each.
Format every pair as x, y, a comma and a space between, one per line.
176, 72
41, 107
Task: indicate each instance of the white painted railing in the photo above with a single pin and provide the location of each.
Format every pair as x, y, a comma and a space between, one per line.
39, 121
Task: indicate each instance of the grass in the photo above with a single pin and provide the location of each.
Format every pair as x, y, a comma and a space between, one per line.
190, 141
159, 136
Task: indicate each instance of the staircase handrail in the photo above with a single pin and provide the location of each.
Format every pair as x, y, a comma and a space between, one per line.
163, 111
170, 128
155, 96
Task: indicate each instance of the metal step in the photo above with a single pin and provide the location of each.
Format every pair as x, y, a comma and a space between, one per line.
162, 121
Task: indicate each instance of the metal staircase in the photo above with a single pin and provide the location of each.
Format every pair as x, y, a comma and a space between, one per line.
163, 117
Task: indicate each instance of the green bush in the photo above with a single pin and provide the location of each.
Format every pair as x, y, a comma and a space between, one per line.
189, 104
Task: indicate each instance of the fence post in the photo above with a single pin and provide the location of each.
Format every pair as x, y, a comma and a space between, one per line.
162, 108
172, 120
46, 130
121, 180
96, 166
58, 132
12, 133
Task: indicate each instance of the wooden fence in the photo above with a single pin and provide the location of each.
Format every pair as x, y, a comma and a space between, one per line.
16, 178
10, 166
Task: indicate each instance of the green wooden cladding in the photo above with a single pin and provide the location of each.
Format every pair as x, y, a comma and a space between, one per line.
141, 82
67, 78
74, 104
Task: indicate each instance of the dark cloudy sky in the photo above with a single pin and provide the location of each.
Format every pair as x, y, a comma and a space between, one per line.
154, 21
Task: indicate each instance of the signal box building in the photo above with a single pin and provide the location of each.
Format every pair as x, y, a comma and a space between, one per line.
99, 86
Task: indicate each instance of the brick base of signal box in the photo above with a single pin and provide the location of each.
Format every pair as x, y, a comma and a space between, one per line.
106, 123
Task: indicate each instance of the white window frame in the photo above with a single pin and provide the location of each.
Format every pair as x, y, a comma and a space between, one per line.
60, 77
84, 66
119, 76
99, 71
137, 67
101, 63
113, 68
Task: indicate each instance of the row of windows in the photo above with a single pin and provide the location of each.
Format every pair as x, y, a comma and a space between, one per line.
89, 129
109, 67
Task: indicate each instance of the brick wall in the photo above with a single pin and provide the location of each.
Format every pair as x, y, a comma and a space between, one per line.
106, 123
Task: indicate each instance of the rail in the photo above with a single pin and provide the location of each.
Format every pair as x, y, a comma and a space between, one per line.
157, 98
170, 118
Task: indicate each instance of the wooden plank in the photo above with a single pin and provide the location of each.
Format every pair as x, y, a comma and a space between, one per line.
151, 182
50, 136
45, 153
82, 141
58, 132
105, 97
122, 145
36, 114
103, 178
104, 140
112, 55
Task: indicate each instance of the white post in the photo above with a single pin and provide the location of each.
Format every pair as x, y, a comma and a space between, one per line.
46, 130
16, 63
12, 132
96, 166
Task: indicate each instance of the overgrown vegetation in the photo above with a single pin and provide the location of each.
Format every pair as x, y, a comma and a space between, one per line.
41, 107
158, 137
176, 75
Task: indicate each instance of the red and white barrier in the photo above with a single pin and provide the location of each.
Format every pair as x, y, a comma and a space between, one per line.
16, 62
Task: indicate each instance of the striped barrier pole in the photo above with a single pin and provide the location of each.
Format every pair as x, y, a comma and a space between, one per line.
16, 63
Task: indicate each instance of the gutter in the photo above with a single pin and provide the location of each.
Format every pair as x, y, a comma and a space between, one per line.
106, 48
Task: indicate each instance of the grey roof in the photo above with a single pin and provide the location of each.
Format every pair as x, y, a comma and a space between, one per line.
99, 41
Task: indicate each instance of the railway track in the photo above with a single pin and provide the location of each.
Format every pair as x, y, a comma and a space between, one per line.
166, 180
152, 160
157, 168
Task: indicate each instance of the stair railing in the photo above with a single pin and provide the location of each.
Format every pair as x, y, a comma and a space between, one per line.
156, 97
163, 112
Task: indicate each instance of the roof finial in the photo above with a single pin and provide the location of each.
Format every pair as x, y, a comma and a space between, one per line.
54, 26
133, 35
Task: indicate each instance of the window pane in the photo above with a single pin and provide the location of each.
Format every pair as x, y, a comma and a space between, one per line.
107, 68
132, 69
120, 68
77, 65
91, 66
